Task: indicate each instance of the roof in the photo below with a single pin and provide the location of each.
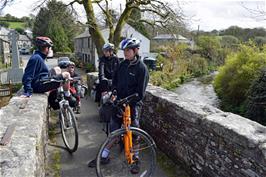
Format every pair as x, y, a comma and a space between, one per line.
86, 33
165, 36
23, 38
4, 31
169, 36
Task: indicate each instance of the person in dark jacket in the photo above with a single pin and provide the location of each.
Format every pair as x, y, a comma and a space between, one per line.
36, 70
107, 66
130, 77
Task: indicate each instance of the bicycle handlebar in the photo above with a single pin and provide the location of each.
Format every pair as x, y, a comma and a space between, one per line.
49, 80
126, 100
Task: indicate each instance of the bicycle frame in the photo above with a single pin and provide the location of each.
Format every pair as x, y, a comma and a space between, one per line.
63, 103
128, 144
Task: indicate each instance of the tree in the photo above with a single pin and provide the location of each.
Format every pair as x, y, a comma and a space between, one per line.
135, 23
209, 47
60, 14
157, 13
56, 32
20, 30
162, 14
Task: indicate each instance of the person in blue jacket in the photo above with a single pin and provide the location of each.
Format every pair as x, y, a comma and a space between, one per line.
36, 71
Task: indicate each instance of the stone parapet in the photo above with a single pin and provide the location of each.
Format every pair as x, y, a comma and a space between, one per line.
25, 154
205, 140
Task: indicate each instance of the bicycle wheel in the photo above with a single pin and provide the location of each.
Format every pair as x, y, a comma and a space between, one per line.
69, 130
117, 165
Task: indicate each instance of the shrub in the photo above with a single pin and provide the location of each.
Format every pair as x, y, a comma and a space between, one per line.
256, 103
235, 77
198, 66
90, 68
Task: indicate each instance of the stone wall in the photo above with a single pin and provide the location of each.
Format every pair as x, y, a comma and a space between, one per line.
25, 154
205, 140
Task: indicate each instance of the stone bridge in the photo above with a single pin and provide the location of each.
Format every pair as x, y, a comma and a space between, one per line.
204, 140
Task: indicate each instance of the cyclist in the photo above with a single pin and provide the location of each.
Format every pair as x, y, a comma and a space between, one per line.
107, 65
130, 77
36, 71
75, 88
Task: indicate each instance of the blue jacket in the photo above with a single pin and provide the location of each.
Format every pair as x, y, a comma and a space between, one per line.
35, 70
131, 77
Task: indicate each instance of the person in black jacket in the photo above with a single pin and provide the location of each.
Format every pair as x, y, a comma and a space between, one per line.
107, 65
36, 70
130, 77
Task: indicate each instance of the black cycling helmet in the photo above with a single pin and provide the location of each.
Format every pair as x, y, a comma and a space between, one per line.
130, 43
42, 41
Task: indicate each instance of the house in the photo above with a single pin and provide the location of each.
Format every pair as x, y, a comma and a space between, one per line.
4, 51
170, 38
24, 42
4, 46
86, 51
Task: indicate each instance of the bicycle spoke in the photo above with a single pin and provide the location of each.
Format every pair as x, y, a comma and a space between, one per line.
118, 165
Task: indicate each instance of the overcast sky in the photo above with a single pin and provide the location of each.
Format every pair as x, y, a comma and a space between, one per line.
208, 14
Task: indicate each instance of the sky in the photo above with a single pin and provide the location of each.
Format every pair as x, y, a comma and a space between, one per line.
205, 14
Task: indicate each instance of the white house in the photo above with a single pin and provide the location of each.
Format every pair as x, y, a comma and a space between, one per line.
85, 48
24, 42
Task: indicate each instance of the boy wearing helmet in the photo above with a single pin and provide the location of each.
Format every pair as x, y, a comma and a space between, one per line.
130, 77
75, 88
36, 70
107, 65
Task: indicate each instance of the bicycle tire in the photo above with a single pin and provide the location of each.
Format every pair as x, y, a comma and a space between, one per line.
74, 128
103, 170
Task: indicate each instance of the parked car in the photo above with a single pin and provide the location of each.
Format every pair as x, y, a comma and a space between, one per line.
24, 51
51, 53
63, 61
150, 62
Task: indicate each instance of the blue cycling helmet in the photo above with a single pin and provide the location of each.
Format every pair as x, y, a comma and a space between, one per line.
130, 43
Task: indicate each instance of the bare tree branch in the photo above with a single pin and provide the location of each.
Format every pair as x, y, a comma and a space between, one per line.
38, 6
4, 3
259, 13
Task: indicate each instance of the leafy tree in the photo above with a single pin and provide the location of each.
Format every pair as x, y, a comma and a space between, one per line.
229, 41
20, 30
256, 104
208, 48
60, 14
260, 41
235, 77
56, 32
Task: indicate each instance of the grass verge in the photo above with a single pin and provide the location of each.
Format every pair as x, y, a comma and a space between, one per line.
53, 168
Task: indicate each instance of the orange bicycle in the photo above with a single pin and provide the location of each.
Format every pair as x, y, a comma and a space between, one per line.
135, 142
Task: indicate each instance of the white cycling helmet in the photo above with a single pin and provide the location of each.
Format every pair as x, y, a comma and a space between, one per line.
130, 43
108, 46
